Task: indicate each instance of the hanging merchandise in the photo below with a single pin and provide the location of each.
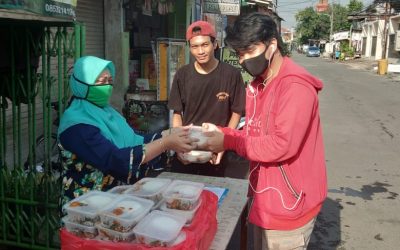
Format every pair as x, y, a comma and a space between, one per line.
146, 8
162, 7
165, 7
170, 7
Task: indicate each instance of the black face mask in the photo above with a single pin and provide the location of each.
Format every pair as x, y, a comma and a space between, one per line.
256, 66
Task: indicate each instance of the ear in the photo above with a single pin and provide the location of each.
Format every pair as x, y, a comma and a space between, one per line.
215, 45
273, 47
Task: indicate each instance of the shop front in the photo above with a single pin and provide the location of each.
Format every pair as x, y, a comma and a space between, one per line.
155, 33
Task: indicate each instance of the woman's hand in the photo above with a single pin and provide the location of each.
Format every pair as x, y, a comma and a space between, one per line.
179, 140
215, 138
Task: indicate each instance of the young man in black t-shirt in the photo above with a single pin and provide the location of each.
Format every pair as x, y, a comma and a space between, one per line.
205, 91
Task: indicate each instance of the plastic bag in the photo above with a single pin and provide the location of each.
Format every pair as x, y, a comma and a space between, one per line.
199, 235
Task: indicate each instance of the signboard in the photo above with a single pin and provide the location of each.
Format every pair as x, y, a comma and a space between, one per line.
223, 7
55, 8
341, 36
229, 56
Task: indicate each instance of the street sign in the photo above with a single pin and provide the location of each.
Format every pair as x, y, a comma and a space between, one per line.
223, 7
230, 57
55, 8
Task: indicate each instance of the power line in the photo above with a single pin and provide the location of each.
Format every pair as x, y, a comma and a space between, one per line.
290, 4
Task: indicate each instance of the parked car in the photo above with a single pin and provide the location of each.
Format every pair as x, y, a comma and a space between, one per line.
313, 51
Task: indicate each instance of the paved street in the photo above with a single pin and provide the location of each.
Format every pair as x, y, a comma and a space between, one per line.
360, 113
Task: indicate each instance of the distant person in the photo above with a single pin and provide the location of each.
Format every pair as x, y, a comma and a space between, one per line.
100, 150
282, 138
206, 90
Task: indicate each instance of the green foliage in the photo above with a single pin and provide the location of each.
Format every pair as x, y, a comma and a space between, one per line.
286, 49
314, 25
346, 50
340, 22
355, 6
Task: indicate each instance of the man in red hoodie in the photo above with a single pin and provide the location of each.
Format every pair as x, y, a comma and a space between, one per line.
282, 138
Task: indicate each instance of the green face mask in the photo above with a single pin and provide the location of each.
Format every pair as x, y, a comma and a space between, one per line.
99, 94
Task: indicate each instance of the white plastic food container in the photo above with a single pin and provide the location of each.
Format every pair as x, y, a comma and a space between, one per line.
187, 214
149, 188
111, 235
119, 189
84, 209
183, 195
124, 213
197, 156
159, 229
79, 230
196, 132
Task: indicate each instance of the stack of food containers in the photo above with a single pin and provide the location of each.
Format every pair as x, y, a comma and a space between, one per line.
183, 199
122, 213
83, 213
119, 218
149, 188
198, 156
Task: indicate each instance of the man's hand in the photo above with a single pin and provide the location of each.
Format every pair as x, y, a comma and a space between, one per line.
216, 158
215, 138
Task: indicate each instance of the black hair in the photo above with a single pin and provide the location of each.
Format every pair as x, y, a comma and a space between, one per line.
253, 28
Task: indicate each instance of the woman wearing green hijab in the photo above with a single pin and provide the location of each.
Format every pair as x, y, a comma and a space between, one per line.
99, 148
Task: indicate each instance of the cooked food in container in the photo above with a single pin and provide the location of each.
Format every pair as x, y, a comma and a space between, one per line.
183, 195
84, 209
124, 213
197, 156
149, 188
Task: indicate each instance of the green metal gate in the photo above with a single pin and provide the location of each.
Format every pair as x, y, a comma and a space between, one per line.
34, 71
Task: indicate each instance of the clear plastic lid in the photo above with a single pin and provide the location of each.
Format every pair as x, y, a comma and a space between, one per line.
119, 189
181, 237
125, 212
183, 194
159, 228
86, 207
149, 188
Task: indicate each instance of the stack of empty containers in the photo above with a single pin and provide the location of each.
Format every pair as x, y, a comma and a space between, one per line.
124, 213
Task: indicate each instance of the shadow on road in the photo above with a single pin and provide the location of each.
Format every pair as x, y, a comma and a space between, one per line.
326, 234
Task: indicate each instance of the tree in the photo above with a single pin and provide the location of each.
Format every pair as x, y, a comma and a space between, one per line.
354, 6
340, 22
312, 25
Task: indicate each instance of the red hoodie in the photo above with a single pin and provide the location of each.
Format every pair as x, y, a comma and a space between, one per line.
283, 141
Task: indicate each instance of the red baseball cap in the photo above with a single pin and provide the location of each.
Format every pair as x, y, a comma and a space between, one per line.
204, 29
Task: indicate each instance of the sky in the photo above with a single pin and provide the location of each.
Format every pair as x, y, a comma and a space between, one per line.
287, 9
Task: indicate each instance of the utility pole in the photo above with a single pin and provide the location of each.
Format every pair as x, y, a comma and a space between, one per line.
331, 30
385, 29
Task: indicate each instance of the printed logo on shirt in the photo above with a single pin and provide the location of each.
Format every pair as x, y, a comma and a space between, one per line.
222, 96
254, 126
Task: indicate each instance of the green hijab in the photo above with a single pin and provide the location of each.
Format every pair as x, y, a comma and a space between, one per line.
112, 124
